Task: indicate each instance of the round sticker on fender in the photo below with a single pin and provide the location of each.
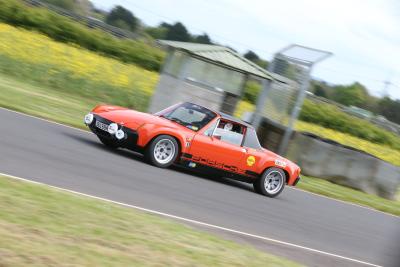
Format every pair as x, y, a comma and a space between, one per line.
251, 160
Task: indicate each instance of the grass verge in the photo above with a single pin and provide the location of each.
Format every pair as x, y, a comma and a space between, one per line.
44, 101
48, 227
381, 151
322, 187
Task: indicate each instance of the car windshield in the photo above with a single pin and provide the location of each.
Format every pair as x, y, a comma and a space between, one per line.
189, 115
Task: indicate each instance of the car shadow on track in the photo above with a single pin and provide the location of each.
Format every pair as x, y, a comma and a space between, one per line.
223, 180
139, 157
98, 145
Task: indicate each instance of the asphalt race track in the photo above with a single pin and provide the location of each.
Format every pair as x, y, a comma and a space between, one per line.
64, 157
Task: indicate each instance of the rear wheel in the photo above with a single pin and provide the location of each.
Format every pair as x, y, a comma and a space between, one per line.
271, 183
162, 151
108, 143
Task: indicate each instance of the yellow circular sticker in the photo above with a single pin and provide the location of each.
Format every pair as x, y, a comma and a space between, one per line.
251, 160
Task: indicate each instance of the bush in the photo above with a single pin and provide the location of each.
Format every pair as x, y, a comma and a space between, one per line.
251, 91
331, 117
65, 30
71, 70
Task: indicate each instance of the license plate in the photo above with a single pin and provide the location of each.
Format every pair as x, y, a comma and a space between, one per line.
101, 126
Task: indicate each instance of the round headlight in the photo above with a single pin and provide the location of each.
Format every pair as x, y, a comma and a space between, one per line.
112, 128
88, 118
119, 134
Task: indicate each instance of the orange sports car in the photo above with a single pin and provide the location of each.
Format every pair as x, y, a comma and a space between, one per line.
197, 138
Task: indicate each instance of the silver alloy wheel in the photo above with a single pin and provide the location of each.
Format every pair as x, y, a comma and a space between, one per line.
273, 182
164, 151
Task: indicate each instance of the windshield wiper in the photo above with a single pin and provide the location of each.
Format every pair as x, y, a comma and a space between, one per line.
176, 120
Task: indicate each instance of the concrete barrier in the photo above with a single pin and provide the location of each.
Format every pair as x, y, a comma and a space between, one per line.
343, 165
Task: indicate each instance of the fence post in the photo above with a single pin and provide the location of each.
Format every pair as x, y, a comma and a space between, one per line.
266, 86
305, 83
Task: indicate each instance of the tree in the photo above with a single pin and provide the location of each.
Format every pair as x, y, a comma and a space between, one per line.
165, 25
262, 63
122, 18
390, 109
321, 88
178, 32
371, 103
251, 91
352, 95
157, 32
250, 55
202, 39
320, 91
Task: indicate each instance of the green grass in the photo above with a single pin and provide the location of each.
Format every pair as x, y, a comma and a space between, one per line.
44, 102
329, 189
69, 108
40, 226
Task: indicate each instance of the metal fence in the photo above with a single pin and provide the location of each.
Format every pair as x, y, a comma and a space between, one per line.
379, 121
86, 20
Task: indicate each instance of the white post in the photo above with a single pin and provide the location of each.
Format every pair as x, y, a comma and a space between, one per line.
295, 112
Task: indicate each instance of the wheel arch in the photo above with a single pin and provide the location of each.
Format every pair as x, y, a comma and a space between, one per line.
148, 132
179, 142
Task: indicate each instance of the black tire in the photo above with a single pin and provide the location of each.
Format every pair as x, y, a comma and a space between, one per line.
108, 143
156, 158
276, 177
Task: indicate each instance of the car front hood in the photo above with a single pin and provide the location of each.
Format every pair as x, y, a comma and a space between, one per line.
134, 119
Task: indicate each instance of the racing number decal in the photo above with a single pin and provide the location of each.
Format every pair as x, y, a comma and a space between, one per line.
250, 160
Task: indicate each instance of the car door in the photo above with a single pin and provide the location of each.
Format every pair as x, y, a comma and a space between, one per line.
253, 153
208, 149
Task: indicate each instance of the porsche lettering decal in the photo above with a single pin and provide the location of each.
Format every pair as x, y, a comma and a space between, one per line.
216, 164
250, 161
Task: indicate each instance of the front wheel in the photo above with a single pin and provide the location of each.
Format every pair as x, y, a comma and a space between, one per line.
162, 151
271, 183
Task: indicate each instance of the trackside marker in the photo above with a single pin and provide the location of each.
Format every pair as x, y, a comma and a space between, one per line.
194, 221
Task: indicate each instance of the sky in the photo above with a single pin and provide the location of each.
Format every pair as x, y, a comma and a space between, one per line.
363, 35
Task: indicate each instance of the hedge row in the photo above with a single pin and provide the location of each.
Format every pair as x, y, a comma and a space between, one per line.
66, 30
331, 117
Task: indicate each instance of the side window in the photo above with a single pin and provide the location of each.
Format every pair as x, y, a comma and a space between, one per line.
251, 139
230, 132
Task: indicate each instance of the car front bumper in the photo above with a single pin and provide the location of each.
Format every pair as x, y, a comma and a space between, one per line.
129, 141
296, 181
